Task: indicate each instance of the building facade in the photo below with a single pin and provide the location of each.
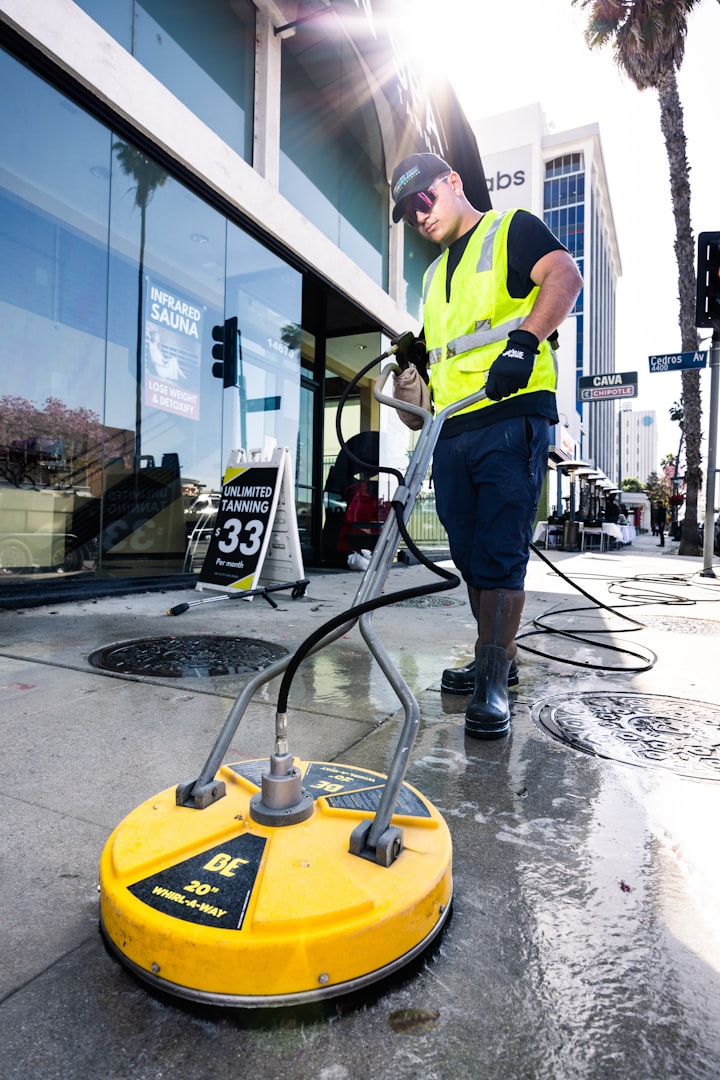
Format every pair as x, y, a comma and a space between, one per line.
168, 168
638, 444
560, 176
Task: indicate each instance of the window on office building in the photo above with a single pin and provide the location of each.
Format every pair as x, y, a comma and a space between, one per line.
564, 202
564, 212
331, 156
203, 53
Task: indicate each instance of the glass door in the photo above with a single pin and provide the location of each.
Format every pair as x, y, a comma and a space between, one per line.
354, 495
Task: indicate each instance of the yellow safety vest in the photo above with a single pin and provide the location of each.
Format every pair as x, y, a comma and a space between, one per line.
464, 337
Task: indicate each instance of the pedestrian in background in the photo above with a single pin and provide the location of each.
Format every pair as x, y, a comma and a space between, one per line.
661, 521
492, 300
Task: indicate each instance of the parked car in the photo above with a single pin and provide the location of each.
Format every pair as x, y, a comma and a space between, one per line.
199, 524
203, 506
701, 535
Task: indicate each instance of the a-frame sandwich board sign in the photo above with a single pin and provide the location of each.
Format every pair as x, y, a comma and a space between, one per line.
255, 539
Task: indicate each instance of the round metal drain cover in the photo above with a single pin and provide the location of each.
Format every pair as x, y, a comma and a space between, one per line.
429, 602
188, 657
638, 729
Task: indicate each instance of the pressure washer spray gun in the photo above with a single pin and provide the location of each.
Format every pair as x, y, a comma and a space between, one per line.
408, 349
411, 379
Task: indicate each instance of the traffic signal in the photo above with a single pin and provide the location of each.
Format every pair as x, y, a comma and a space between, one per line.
707, 311
225, 352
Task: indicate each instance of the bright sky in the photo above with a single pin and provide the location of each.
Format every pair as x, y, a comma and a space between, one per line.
505, 55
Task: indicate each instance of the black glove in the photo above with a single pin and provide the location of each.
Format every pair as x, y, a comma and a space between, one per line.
411, 350
512, 369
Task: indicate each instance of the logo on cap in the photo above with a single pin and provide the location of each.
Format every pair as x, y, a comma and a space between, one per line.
404, 181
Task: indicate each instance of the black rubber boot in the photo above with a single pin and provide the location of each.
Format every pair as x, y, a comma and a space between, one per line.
488, 712
461, 680
498, 614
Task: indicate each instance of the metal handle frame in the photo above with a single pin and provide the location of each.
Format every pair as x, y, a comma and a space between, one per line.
204, 790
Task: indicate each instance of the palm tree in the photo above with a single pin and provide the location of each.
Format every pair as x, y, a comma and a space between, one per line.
148, 176
648, 40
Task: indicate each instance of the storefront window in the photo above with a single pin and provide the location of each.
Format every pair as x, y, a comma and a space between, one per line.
53, 311
163, 408
112, 277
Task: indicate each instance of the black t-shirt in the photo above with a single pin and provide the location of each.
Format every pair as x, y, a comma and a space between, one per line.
528, 240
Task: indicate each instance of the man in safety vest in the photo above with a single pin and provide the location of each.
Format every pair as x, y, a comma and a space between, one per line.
492, 299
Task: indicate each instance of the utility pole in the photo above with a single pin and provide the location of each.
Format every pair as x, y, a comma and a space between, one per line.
707, 314
709, 536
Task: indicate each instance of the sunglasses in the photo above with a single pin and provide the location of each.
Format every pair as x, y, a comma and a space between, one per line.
421, 202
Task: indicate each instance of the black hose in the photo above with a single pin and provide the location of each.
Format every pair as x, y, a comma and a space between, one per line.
364, 466
450, 580
647, 657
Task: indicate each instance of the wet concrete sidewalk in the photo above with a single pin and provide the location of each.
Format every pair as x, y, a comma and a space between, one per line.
585, 936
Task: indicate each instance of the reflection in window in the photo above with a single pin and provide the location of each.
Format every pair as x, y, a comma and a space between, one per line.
53, 297
113, 275
418, 254
304, 467
165, 292
266, 295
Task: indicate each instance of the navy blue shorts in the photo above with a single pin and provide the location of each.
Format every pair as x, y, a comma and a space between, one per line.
487, 486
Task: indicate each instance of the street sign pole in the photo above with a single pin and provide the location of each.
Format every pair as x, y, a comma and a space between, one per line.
709, 537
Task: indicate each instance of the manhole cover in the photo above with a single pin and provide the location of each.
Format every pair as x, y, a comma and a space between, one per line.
428, 602
188, 657
638, 729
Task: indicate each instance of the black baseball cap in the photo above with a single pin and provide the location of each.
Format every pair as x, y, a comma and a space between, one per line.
414, 173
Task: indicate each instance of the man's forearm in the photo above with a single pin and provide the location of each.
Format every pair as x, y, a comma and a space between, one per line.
559, 289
